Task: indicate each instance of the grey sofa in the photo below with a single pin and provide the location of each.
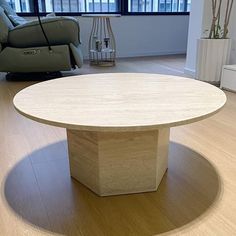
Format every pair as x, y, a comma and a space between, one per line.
23, 47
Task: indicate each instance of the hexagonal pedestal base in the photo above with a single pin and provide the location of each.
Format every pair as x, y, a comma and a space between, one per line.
113, 163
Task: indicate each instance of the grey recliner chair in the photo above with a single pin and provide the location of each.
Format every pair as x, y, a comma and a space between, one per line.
24, 48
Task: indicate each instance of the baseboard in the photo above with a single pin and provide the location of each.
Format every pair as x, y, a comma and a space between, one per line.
189, 72
146, 54
229, 90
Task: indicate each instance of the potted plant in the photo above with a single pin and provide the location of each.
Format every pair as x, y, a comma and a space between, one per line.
214, 50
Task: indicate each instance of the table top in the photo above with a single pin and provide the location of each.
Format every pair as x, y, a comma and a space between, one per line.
119, 102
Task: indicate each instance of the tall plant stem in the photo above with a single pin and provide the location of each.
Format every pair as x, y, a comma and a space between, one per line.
216, 9
214, 2
227, 17
218, 20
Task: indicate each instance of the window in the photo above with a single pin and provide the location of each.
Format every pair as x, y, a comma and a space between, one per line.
71, 6
126, 7
159, 5
20, 5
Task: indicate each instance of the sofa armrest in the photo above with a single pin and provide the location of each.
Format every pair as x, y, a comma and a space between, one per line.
5, 26
59, 30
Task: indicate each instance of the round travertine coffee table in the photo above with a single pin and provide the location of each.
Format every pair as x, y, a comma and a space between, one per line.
118, 124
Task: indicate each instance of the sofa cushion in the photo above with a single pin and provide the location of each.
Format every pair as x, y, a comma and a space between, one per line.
17, 20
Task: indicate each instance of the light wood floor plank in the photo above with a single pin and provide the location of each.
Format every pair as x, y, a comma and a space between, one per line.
196, 197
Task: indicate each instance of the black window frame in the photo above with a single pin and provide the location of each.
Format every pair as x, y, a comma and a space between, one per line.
123, 10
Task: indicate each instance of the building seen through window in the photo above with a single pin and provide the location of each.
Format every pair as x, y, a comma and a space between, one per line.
159, 5
113, 6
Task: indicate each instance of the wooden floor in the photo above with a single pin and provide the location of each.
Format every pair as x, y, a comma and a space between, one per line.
196, 197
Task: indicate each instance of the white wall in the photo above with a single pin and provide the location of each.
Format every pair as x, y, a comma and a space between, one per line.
194, 33
144, 35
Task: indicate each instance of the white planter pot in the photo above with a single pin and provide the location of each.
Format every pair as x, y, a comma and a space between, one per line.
212, 54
